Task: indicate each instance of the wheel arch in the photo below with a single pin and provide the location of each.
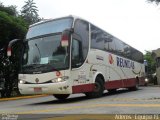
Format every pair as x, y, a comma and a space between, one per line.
99, 74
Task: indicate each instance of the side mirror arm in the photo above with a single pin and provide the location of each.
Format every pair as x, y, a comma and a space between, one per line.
10, 44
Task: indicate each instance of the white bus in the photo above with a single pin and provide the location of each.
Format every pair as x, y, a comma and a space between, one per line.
70, 55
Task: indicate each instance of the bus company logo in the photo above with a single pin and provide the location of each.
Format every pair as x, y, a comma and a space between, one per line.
125, 63
36, 80
111, 60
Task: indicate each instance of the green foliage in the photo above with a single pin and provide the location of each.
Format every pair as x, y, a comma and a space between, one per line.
11, 27
151, 62
30, 12
11, 10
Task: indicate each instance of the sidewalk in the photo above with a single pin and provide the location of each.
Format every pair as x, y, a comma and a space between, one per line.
22, 97
153, 85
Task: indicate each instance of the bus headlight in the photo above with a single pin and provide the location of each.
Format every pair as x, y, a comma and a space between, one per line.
60, 79
146, 80
22, 81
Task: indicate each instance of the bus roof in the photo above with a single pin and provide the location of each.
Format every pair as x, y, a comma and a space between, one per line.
75, 17
49, 20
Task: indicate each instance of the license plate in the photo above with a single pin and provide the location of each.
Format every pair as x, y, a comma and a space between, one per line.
38, 89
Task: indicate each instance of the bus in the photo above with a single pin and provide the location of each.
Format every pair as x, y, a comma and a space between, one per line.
70, 55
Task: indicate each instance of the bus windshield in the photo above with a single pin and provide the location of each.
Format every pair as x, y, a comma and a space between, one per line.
42, 48
44, 54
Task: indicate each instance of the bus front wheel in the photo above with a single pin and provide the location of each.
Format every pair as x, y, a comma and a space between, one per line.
61, 96
98, 89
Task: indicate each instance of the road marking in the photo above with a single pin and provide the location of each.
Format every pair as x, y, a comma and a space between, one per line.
22, 97
83, 117
106, 117
88, 106
110, 99
126, 100
133, 99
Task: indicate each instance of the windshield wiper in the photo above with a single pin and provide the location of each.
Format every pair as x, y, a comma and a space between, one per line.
41, 66
32, 66
49, 66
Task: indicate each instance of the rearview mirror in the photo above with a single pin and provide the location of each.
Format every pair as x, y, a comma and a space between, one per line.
66, 35
9, 48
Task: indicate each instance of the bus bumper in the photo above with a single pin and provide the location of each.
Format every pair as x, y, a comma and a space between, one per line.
49, 88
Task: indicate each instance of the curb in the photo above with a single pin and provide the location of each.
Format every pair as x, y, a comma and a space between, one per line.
22, 97
151, 85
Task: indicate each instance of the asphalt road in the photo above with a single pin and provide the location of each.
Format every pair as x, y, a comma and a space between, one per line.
146, 100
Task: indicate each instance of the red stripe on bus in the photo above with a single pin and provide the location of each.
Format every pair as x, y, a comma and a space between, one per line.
115, 84
83, 88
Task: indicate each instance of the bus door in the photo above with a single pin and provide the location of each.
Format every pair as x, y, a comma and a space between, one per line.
79, 51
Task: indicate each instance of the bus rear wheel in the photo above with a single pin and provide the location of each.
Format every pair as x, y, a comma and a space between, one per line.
98, 89
136, 87
61, 96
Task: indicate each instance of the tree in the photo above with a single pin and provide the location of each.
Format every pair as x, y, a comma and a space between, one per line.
30, 12
151, 62
156, 1
11, 10
11, 26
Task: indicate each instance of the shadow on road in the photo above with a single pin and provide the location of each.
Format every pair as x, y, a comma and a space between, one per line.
82, 98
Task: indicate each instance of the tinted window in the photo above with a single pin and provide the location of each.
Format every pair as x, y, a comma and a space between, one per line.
81, 30
110, 43
127, 50
44, 54
102, 40
97, 38
136, 55
119, 47
105, 41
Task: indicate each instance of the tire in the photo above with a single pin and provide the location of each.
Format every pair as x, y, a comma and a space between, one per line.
136, 87
61, 96
98, 89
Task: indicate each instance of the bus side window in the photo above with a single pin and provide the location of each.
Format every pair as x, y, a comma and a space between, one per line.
127, 51
109, 43
76, 53
119, 47
97, 39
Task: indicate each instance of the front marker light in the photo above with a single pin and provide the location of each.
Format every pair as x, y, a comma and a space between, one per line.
60, 79
22, 81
